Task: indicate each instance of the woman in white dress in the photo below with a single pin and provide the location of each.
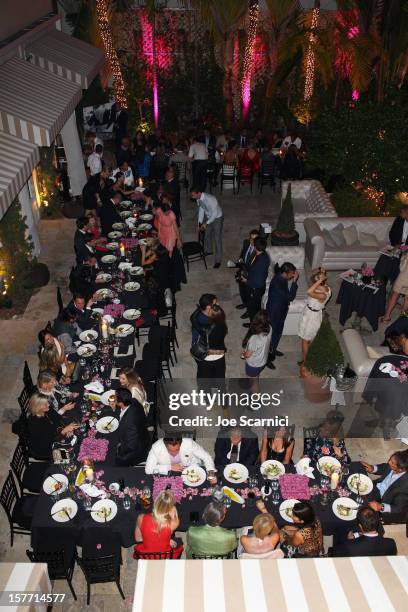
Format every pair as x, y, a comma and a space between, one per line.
318, 296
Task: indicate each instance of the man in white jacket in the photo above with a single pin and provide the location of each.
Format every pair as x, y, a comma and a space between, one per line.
174, 453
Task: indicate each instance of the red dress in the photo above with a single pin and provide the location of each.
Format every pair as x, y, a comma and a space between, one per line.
155, 540
248, 166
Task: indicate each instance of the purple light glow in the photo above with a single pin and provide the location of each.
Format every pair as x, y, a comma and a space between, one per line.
355, 95
155, 100
246, 97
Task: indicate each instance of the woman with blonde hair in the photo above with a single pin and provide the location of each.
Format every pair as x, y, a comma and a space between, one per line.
43, 427
130, 379
52, 354
154, 531
318, 295
265, 537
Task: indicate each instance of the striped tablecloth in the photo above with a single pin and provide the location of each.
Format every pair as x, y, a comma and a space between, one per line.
23, 577
361, 584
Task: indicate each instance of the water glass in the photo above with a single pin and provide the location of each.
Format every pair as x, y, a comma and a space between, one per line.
87, 504
275, 485
252, 482
275, 497
126, 503
227, 501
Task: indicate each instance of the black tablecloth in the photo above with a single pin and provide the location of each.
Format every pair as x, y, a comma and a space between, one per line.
387, 268
123, 525
361, 300
388, 395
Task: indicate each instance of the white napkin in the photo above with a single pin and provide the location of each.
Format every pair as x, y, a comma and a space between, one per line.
95, 386
304, 468
92, 491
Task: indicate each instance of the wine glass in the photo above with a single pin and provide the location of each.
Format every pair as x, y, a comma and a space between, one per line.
126, 503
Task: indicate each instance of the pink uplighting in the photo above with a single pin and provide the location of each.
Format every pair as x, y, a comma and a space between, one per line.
155, 100
355, 95
246, 97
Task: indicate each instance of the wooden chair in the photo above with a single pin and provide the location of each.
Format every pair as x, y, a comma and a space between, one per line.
58, 567
29, 476
156, 556
100, 570
19, 510
60, 303
194, 251
228, 175
266, 175
230, 555
27, 378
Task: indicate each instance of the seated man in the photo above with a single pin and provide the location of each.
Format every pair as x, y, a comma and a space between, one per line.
368, 542
133, 444
82, 310
391, 489
59, 396
174, 453
232, 447
211, 538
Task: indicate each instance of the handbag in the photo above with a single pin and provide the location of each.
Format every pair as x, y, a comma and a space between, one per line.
199, 348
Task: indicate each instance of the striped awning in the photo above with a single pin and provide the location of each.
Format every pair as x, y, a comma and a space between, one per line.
66, 56
35, 104
17, 159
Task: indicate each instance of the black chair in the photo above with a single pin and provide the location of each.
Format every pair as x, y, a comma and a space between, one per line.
159, 340
30, 476
181, 172
309, 435
60, 303
98, 570
230, 555
27, 378
267, 175
59, 568
19, 510
194, 251
156, 556
24, 399
228, 175
149, 367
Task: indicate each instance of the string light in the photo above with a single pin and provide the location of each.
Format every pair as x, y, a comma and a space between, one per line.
106, 35
248, 57
310, 57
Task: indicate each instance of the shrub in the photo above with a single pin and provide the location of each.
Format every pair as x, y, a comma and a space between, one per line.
324, 352
286, 220
350, 203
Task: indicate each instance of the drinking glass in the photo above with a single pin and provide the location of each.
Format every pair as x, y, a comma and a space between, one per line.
275, 497
252, 482
275, 485
126, 503
87, 504
227, 501
156, 472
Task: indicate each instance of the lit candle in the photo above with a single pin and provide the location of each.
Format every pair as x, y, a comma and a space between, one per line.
140, 182
122, 250
334, 481
104, 328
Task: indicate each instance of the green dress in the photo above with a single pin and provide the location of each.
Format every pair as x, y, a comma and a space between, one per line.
208, 540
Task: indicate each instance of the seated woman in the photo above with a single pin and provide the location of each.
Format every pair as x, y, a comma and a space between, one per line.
305, 537
249, 162
48, 340
231, 155
94, 229
278, 446
265, 536
329, 441
210, 538
44, 426
53, 360
130, 379
154, 531
120, 187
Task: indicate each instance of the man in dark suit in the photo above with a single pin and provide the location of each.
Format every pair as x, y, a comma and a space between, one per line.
277, 306
247, 252
109, 213
256, 279
82, 239
369, 542
391, 489
232, 447
399, 229
172, 187
82, 310
133, 444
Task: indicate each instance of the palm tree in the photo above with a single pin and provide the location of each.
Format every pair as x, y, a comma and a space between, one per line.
222, 18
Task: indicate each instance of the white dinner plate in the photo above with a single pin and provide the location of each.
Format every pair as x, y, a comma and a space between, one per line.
272, 469
108, 259
88, 335
104, 293
115, 235
125, 214
340, 506
98, 311
86, 350
131, 314
327, 465
118, 226
112, 246
125, 204
107, 424
104, 277
285, 509
136, 271
124, 265
64, 510
104, 510
57, 483
236, 473
144, 227
146, 217
132, 286
360, 484
124, 329
193, 476
106, 395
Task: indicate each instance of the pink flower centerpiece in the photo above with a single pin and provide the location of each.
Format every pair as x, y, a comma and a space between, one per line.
294, 486
114, 310
93, 448
160, 483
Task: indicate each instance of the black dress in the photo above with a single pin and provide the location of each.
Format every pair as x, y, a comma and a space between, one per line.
42, 433
216, 341
278, 456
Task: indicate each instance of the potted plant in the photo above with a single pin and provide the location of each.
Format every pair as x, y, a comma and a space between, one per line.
284, 233
324, 355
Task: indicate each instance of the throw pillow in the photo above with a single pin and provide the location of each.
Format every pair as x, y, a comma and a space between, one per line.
328, 240
368, 240
337, 235
350, 235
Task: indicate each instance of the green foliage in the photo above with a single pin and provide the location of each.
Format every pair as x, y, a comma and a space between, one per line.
365, 145
16, 250
325, 351
286, 220
47, 180
350, 203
